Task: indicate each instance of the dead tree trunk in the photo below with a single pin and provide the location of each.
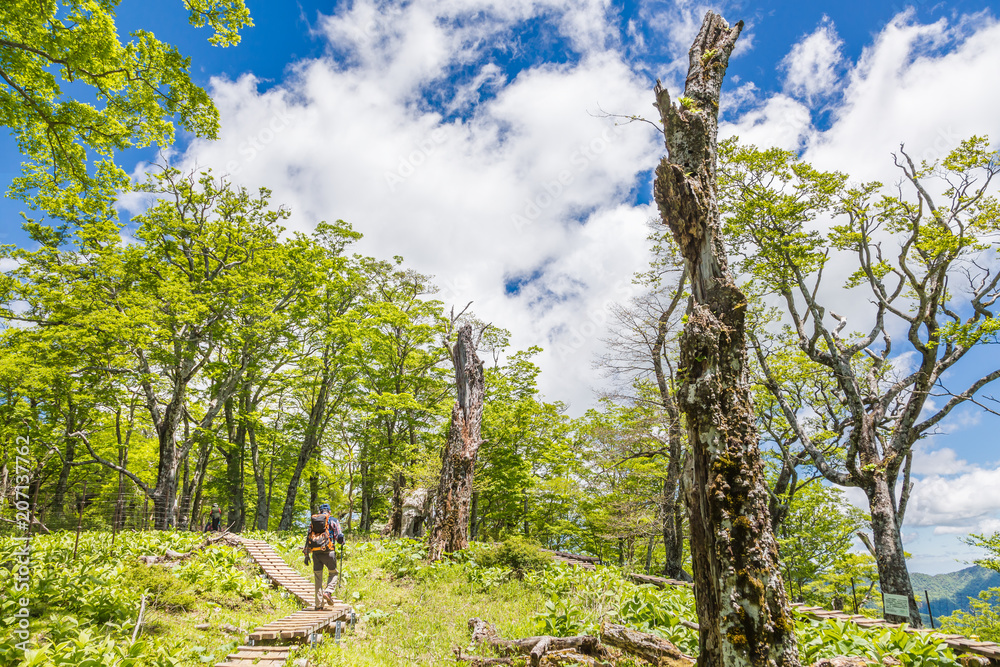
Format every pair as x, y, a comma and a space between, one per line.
458, 463
743, 613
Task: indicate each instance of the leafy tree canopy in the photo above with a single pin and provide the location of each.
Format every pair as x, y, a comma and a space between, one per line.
56, 54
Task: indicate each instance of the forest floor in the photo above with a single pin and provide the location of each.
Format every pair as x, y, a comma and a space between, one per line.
82, 610
85, 608
412, 613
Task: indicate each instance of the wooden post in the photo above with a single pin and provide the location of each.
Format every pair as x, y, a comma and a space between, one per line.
929, 612
145, 513
855, 594
79, 520
116, 516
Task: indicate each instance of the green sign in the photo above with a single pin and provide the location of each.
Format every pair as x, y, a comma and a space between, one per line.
896, 605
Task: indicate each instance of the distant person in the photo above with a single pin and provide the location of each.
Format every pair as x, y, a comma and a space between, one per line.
321, 544
215, 516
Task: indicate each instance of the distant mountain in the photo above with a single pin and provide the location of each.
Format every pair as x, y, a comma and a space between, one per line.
951, 591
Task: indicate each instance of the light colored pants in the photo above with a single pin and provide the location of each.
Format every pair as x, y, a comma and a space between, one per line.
321, 559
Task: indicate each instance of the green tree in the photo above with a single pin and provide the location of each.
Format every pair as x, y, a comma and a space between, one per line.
811, 394
331, 331
983, 619
404, 385
924, 266
166, 311
622, 446
816, 538
523, 465
642, 348
56, 54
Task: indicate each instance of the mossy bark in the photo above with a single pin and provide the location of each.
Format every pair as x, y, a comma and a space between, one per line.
458, 461
743, 612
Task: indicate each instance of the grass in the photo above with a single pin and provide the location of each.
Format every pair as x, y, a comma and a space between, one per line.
417, 618
84, 609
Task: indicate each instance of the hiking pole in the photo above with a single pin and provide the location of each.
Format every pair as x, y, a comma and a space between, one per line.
336, 590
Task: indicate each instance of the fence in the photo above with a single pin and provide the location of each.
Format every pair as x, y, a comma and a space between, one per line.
83, 509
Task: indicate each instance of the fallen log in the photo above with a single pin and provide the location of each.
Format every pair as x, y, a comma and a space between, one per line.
841, 661
538, 650
176, 556
479, 661
545, 651
973, 660
585, 559
563, 658
535, 648
649, 647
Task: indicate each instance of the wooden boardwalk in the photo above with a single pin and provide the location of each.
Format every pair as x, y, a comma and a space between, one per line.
957, 643
296, 628
277, 570
262, 656
301, 625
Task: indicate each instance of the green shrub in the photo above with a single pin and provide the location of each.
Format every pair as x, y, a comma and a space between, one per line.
829, 638
165, 591
982, 622
517, 555
404, 558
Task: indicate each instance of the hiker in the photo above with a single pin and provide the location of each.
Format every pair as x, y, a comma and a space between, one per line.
215, 517
324, 533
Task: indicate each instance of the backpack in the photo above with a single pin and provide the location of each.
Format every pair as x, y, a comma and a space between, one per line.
319, 533
216, 513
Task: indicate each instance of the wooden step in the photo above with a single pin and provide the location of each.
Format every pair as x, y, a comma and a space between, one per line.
301, 625
261, 656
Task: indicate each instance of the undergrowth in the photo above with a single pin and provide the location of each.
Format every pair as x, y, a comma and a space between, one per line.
83, 611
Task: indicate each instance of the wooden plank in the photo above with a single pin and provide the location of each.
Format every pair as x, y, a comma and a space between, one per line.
266, 656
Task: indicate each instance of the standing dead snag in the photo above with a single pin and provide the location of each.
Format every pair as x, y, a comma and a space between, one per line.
743, 612
459, 458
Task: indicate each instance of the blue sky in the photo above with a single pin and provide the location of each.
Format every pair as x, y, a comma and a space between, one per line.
466, 136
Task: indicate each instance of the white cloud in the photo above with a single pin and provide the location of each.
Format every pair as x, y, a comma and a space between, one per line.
957, 501
529, 185
986, 526
779, 121
811, 65
943, 461
922, 85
